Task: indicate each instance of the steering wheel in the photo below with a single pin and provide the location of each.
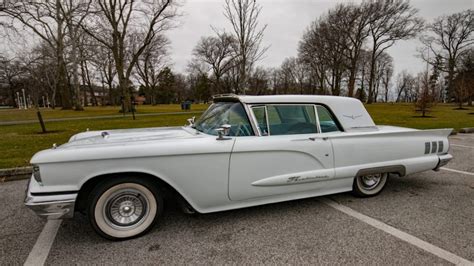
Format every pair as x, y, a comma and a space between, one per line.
302, 128
241, 128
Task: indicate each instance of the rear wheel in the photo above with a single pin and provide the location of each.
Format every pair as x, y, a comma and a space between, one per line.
369, 185
124, 207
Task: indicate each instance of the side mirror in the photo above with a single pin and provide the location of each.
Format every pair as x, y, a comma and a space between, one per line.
223, 131
191, 121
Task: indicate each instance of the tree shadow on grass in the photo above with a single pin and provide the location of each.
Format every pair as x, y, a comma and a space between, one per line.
420, 116
50, 132
460, 108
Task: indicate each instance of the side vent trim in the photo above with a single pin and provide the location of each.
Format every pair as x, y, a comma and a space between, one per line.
427, 147
440, 146
434, 147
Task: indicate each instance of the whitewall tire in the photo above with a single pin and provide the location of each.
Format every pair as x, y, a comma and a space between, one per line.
369, 185
124, 208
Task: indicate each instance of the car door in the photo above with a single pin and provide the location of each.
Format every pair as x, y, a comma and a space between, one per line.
289, 156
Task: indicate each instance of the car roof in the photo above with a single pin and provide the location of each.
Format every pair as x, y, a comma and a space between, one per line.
350, 112
254, 99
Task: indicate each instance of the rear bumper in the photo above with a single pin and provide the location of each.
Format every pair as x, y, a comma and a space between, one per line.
443, 160
51, 205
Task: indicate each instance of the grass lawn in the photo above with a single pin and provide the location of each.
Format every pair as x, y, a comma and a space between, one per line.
19, 142
47, 113
403, 115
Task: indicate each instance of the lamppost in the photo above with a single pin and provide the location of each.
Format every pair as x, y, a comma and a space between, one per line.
24, 99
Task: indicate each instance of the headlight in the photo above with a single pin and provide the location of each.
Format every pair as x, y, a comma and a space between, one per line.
37, 174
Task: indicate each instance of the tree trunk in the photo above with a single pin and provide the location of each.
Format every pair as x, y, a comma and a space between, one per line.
450, 93
61, 67
13, 95
372, 77
123, 85
75, 74
352, 78
89, 85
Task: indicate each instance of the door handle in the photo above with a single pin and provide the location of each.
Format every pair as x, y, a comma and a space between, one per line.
314, 138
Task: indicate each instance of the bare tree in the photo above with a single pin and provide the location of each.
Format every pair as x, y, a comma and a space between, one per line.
243, 16
405, 85
448, 38
150, 64
351, 21
217, 52
424, 100
11, 71
390, 22
74, 13
45, 20
296, 74
259, 81
322, 49
383, 70
105, 65
127, 28
463, 83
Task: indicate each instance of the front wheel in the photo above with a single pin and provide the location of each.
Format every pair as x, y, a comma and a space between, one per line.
369, 185
123, 208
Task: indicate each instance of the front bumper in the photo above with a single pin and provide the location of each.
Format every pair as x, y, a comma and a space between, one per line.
51, 205
443, 160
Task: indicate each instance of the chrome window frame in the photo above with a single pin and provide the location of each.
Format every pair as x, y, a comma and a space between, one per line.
333, 118
266, 119
254, 121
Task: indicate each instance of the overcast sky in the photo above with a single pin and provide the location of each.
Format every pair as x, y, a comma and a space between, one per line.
286, 21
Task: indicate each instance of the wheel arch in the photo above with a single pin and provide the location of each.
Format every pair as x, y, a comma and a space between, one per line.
391, 169
168, 189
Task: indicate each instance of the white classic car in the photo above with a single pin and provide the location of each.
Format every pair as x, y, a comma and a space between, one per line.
243, 151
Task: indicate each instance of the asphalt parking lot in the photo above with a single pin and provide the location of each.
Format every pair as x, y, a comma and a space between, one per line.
434, 207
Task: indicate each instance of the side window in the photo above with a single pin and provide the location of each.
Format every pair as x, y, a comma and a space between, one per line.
291, 119
326, 120
261, 117
222, 113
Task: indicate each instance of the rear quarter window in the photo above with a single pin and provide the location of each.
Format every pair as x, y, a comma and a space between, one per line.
326, 120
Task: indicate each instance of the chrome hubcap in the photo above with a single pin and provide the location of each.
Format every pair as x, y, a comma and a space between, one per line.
125, 208
371, 181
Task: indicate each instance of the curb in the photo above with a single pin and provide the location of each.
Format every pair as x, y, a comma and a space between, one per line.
19, 173
467, 130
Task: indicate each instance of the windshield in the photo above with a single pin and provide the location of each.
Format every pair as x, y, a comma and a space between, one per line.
221, 113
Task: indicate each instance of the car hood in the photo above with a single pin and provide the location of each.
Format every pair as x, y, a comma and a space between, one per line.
129, 136
130, 143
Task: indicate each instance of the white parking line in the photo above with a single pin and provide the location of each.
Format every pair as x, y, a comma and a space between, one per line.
464, 146
456, 171
444, 254
40, 251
